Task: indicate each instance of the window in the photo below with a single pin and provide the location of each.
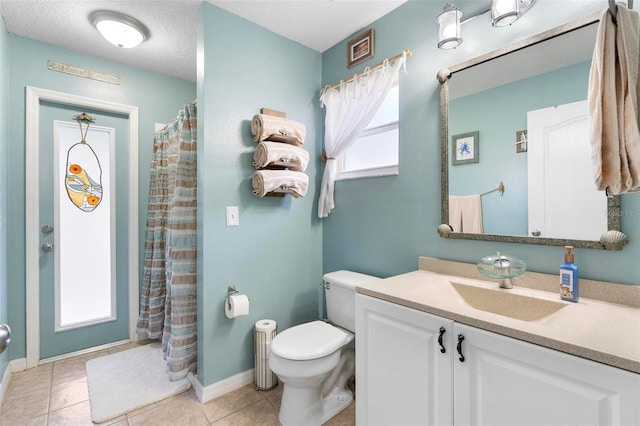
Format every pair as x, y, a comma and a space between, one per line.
375, 152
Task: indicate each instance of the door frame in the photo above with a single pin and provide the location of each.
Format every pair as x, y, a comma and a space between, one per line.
34, 96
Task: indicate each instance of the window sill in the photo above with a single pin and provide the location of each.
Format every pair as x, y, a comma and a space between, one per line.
365, 173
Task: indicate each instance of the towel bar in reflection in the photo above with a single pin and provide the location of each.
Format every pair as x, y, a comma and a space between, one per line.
499, 188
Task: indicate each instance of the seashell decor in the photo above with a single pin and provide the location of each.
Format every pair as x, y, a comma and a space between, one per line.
614, 240
444, 230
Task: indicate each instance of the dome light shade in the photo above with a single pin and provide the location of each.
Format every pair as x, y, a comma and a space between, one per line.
120, 30
449, 27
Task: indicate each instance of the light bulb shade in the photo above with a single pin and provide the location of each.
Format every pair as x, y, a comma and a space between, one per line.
504, 12
120, 30
449, 28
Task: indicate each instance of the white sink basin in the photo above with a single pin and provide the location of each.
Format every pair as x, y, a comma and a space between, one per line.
506, 302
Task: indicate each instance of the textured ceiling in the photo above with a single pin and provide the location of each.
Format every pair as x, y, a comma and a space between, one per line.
171, 49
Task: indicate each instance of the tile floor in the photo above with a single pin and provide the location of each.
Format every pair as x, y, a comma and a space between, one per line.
56, 394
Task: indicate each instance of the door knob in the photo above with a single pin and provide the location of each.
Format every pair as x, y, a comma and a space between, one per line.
5, 337
47, 247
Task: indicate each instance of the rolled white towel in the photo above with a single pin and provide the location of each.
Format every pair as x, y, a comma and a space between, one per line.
280, 154
265, 127
289, 181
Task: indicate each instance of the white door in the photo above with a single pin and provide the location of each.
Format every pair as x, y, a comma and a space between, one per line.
402, 375
563, 200
504, 381
81, 225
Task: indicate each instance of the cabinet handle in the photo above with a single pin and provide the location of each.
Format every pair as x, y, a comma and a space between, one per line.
460, 339
442, 349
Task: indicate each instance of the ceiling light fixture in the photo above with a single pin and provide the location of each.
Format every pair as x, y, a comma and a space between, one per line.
503, 13
119, 29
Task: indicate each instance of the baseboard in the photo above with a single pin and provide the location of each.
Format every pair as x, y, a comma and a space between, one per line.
84, 351
19, 364
207, 393
4, 385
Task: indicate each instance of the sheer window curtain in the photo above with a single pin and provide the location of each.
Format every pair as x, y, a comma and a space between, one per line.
349, 109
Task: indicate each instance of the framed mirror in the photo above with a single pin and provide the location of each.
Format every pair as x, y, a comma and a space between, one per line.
515, 147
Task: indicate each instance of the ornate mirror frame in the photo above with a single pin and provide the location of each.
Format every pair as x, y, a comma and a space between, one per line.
445, 231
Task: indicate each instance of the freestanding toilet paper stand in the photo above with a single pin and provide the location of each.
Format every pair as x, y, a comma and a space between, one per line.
265, 331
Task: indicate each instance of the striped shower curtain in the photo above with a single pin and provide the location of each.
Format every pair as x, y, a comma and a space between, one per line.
168, 294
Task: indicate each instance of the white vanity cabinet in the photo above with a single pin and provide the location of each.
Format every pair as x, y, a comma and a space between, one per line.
505, 381
404, 379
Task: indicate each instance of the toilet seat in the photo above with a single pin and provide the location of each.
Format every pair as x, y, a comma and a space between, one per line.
309, 341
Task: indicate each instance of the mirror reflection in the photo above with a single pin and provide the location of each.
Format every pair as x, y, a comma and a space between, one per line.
515, 134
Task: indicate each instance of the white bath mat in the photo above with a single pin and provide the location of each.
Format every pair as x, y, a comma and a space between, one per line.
125, 381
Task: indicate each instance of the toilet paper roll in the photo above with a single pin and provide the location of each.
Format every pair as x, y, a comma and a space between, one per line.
236, 305
266, 326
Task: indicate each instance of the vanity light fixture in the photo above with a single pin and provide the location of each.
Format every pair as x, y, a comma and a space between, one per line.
503, 13
449, 27
119, 29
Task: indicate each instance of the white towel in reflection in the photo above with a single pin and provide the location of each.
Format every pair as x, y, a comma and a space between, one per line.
465, 213
292, 182
280, 154
613, 102
265, 126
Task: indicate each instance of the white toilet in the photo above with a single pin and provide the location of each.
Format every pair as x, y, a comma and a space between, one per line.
313, 359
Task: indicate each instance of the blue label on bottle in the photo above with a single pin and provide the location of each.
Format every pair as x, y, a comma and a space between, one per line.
566, 285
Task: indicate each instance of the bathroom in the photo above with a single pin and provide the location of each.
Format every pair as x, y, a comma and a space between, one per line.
281, 249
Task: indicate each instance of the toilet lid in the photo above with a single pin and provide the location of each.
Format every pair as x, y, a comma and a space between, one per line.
308, 341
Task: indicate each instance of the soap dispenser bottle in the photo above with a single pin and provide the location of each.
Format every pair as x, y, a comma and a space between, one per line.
569, 277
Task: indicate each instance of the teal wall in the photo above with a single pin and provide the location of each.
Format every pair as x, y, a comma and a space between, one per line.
275, 255
278, 253
381, 225
498, 114
4, 119
158, 97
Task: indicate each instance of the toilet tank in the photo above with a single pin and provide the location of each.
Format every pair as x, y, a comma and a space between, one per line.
340, 292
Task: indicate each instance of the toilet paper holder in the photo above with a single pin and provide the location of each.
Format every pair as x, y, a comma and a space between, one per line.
231, 290
236, 304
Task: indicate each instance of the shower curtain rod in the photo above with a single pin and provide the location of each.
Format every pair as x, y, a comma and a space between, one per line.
375, 67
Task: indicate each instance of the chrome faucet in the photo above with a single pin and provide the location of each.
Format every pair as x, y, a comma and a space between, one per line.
502, 266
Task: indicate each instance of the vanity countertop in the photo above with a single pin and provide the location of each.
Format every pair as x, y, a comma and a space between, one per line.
597, 330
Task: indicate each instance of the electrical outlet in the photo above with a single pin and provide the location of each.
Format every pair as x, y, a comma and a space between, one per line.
232, 216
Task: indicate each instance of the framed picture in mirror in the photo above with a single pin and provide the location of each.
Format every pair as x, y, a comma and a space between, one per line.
465, 148
522, 138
